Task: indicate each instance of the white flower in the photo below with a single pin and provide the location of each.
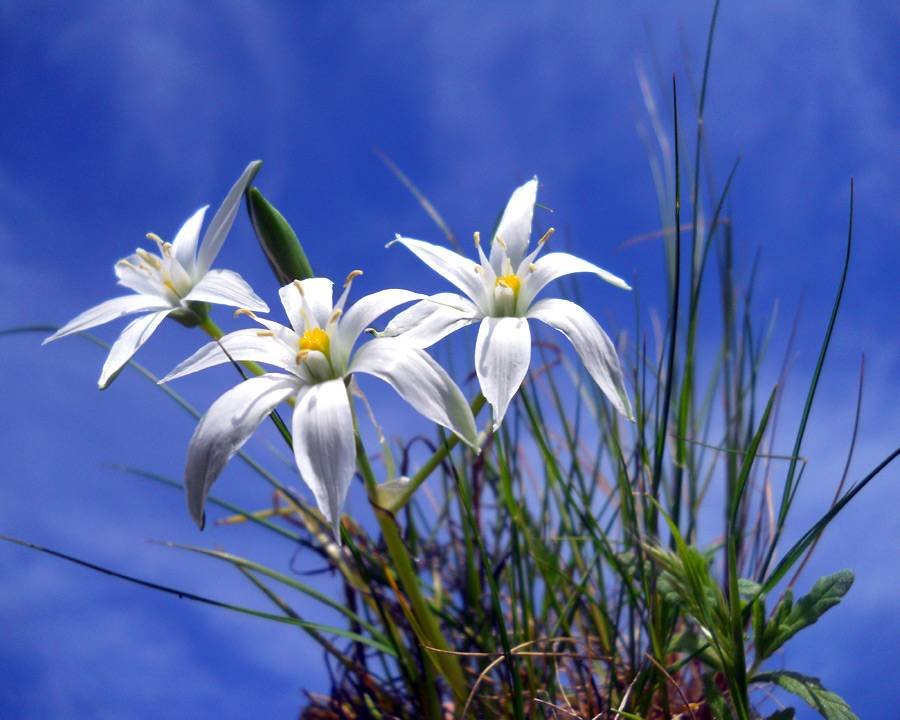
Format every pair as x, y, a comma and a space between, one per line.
499, 294
315, 356
167, 283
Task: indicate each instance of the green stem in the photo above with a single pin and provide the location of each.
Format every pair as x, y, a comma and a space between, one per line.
215, 332
448, 665
432, 463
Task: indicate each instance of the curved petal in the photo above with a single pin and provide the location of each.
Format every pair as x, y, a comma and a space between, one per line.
316, 302
224, 219
325, 446
514, 228
432, 319
108, 311
239, 346
360, 316
222, 431
421, 382
596, 350
452, 266
135, 334
184, 246
226, 287
502, 357
556, 265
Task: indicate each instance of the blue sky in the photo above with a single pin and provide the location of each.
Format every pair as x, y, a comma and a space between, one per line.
122, 118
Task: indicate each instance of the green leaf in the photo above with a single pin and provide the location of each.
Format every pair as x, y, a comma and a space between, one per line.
278, 240
829, 705
758, 614
715, 700
787, 619
748, 588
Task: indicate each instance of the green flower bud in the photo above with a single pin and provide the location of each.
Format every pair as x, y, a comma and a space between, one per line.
278, 240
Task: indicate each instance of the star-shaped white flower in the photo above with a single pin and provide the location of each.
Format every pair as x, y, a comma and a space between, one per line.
316, 359
167, 283
499, 294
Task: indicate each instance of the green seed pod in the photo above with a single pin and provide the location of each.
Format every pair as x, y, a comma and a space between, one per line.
278, 240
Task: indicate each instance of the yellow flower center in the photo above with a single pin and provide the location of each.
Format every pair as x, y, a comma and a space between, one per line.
510, 281
315, 339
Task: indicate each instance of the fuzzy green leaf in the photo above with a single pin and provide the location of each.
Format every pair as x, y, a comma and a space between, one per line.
278, 240
829, 705
748, 588
789, 619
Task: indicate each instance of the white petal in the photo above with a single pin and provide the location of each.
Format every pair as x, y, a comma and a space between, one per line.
184, 246
226, 287
555, 265
596, 350
135, 334
421, 382
360, 316
110, 310
325, 446
502, 357
514, 228
431, 319
223, 219
225, 427
316, 302
452, 266
241, 345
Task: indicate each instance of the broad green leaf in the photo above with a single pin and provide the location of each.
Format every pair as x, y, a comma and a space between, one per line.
788, 619
829, 705
278, 240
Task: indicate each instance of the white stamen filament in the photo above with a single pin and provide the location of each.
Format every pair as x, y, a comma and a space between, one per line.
546, 236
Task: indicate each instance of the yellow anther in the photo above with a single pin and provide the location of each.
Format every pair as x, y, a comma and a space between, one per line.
499, 240
335, 315
315, 339
155, 238
510, 281
264, 333
352, 276
477, 236
244, 311
546, 236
